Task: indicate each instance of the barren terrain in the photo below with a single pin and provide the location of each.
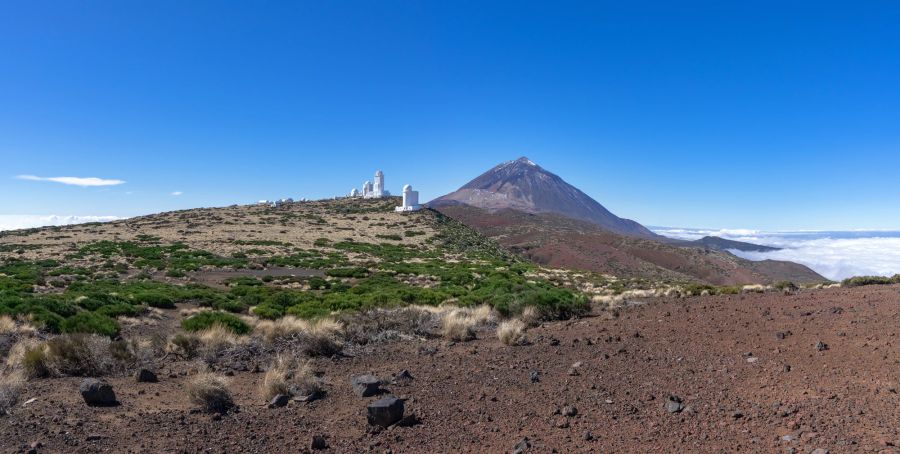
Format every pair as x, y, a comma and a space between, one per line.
744, 387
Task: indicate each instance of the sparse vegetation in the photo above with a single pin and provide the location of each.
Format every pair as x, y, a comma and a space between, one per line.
210, 392
206, 320
289, 377
859, 281
511, 332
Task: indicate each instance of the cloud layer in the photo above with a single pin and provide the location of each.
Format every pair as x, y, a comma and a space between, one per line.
27, 221
835, 255
75, 181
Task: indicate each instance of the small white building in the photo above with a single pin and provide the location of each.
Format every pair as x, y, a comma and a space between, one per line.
375, 191
410, 200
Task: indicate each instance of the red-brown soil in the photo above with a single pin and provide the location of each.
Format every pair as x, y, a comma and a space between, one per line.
720, 354
561, 242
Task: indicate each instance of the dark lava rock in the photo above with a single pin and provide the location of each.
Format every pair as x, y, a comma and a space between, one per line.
569, 410
97, 393
319, 443
403, 376
146, 376
279, 401
522, 446
366, 385
674, 404
535, 376
384, 412
821, 346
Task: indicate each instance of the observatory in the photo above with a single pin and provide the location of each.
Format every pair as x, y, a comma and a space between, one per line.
410, 200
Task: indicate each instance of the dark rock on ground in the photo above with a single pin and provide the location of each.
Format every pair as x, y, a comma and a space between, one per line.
97, 392
146, 376
319, 442
384, 412
279, 401
366, 385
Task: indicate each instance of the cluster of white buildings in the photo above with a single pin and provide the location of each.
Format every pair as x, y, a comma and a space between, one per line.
377, 191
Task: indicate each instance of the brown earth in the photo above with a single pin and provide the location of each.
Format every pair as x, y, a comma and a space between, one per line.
743, 387
561, 242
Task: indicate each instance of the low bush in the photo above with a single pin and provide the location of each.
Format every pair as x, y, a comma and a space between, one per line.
90, 322
859, 281
511, 332
210, 392
10, 387
288, 377
207, 319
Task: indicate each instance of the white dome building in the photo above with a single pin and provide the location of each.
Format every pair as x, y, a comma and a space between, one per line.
410, 200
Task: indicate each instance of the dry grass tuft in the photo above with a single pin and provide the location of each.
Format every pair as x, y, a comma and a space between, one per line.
273, 330
512, 332
210, 392
532, 316
288, 377
218, 337
10, 387
459, 323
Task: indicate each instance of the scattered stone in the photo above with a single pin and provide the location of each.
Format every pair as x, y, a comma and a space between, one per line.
366, 385
562, 423
384, 412
97, 393
94, 437
674, 404
279, 401
569, 410
737, 415
821, 346
819, 451
522, 446
319, 443
535, 376
145, 376
787, 368
403, 376
573, 371
587, 436
752, 359
782, 335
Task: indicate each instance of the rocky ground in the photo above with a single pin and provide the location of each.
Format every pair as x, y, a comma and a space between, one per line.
815, 371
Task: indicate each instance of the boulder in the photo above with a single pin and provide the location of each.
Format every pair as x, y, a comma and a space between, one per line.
386, 411
97, 392
366, 385
145, 376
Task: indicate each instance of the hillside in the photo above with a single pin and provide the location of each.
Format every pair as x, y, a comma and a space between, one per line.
557, 241
524, 186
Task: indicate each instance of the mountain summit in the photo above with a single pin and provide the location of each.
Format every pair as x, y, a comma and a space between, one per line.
525, 186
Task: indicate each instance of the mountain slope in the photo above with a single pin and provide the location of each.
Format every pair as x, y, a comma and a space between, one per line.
524, 186
557, 241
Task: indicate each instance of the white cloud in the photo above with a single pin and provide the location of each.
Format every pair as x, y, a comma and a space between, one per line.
177, 193
835, 255
75, 181
27, 221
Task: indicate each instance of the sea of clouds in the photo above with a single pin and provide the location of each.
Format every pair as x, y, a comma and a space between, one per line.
27, 221
835, 255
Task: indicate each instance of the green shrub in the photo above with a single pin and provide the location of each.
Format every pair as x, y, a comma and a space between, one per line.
154, 299
859, 281
355, 272
90, 323
205, 320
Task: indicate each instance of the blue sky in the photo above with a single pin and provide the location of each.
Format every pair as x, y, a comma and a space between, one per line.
762, 115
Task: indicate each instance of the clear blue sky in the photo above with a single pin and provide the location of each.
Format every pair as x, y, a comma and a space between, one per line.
771, 115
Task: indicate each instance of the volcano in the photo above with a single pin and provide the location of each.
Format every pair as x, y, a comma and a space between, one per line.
522, 185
